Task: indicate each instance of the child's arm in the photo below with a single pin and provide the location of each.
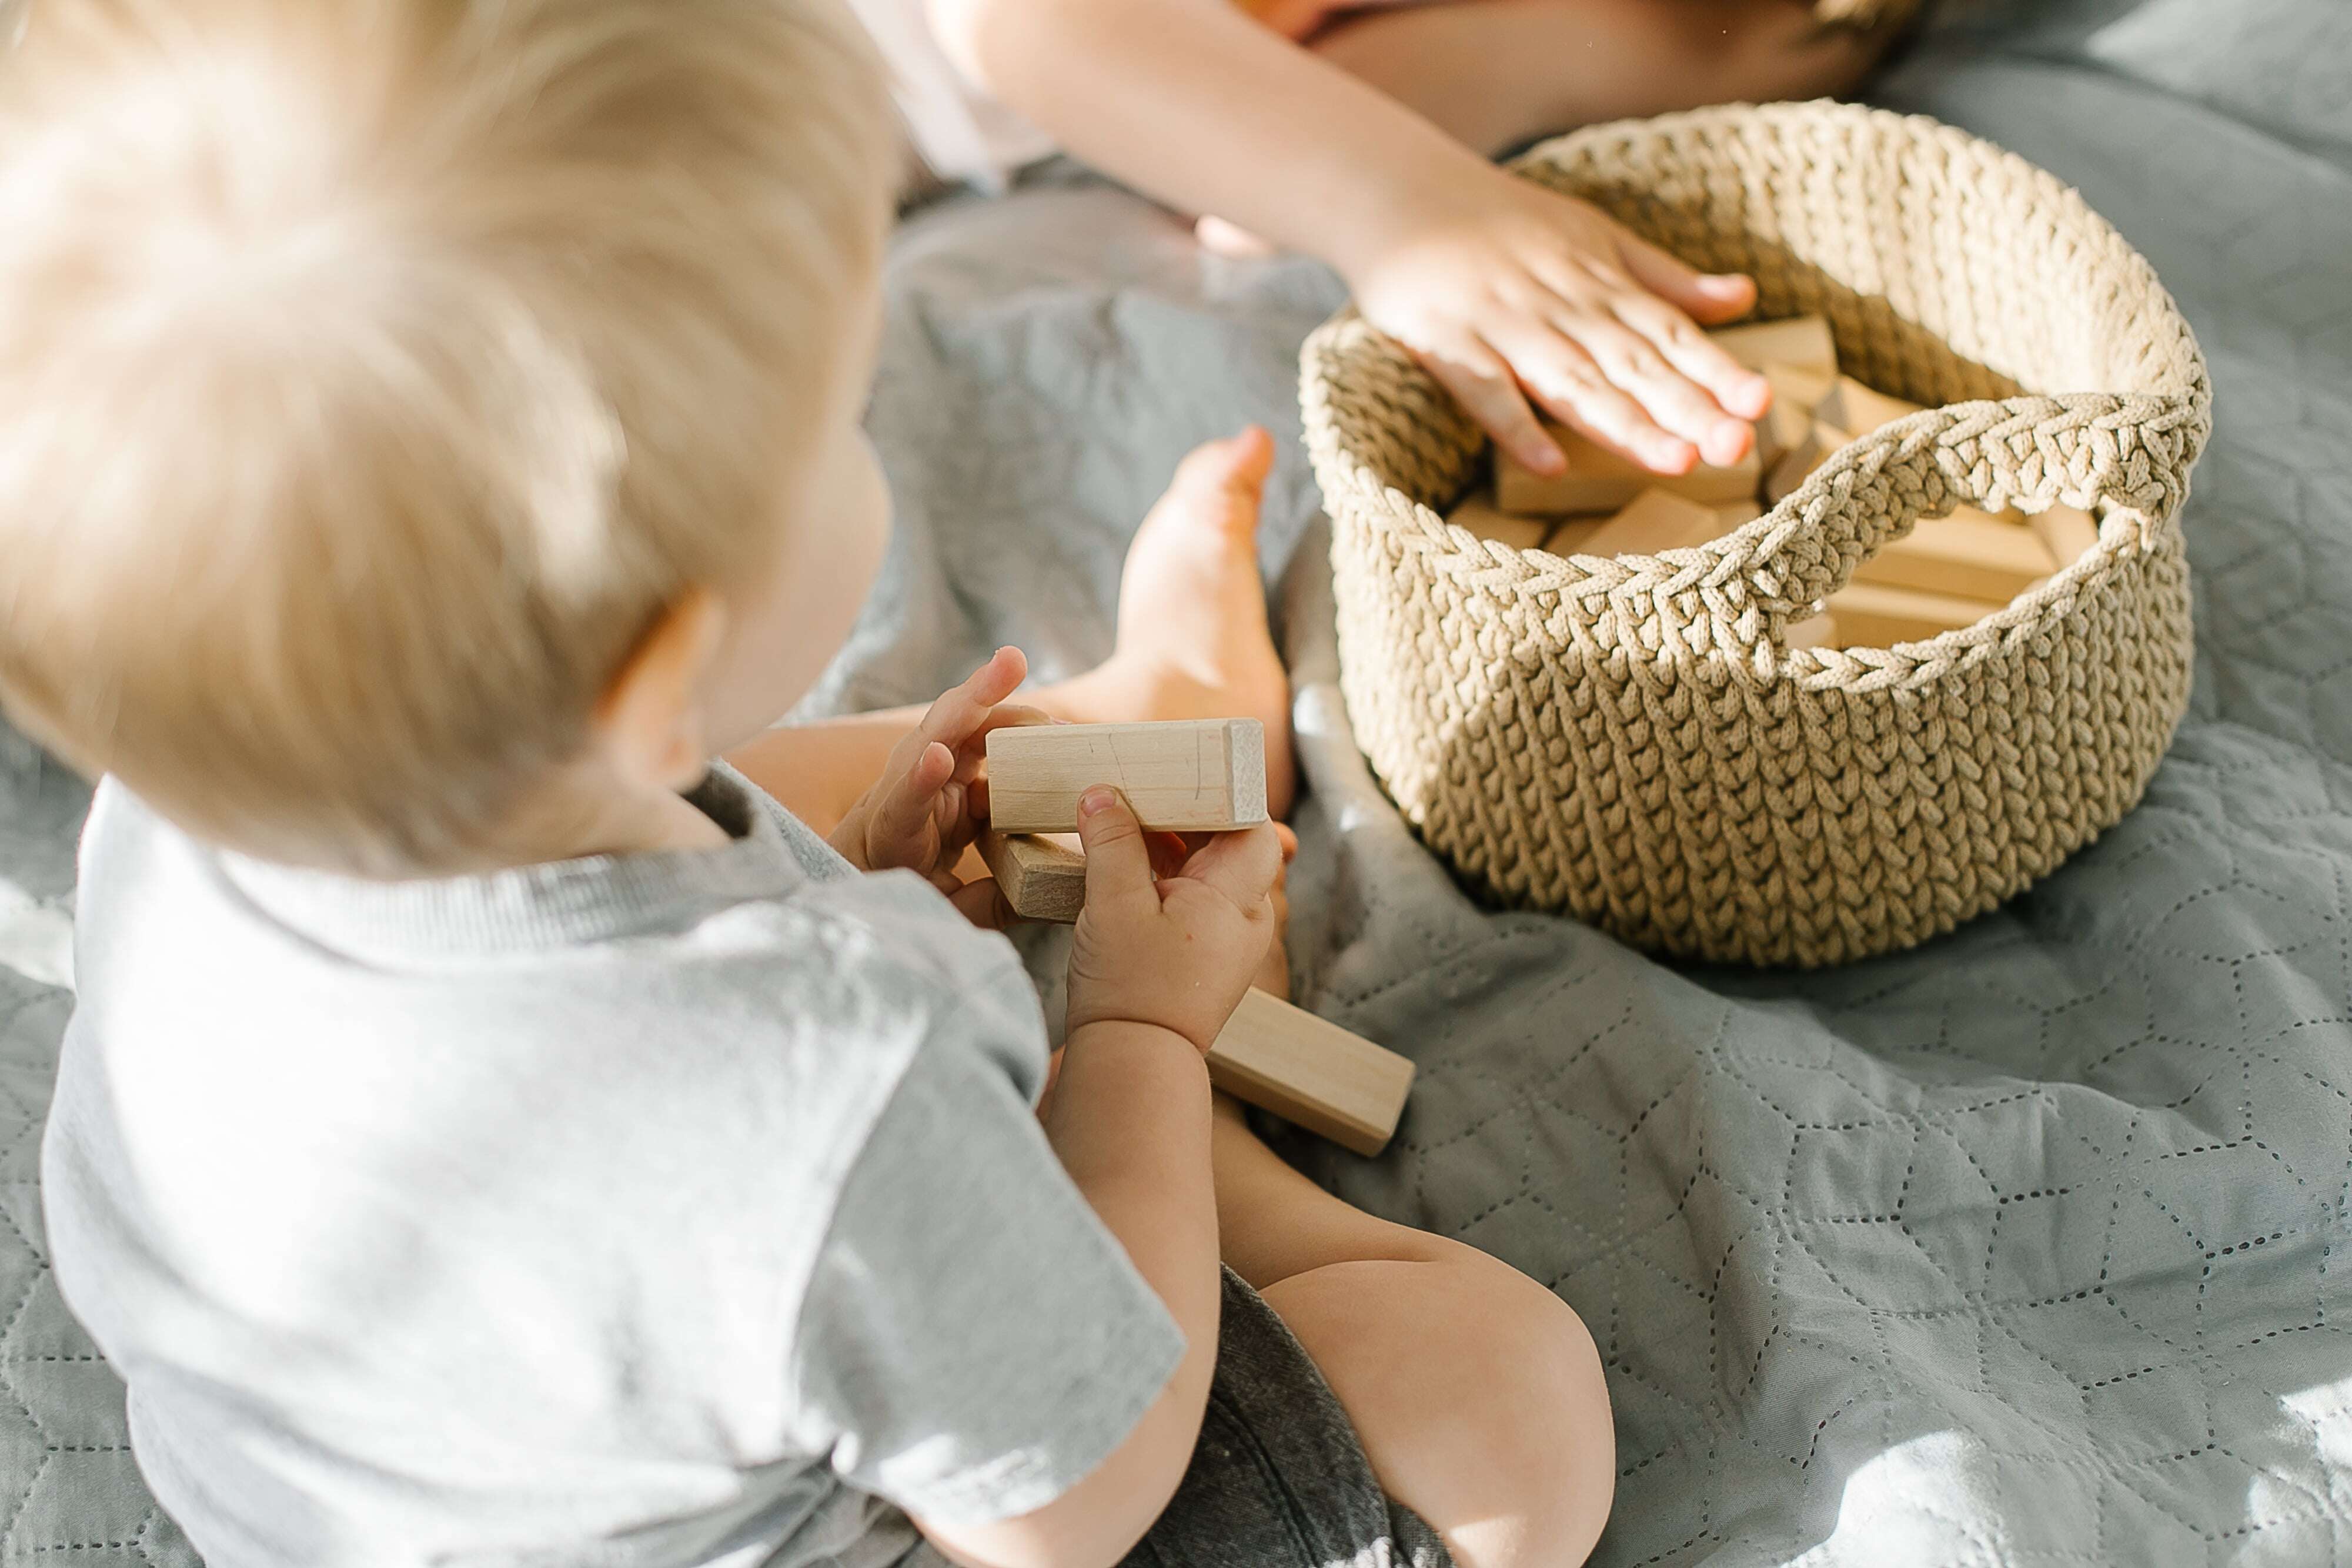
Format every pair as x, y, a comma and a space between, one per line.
1156, 968
1501, 289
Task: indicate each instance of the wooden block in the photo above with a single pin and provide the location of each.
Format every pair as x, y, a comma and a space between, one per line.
1790, 472
1657, 520
1801, 342
1736, 514
2065, 533
1311, 1072
1821, 631
1042, 878
1972, 556
1807, 388
1570, 537
1599, 480
1853, 406
1188, 775
1478, 513
1783, 426
1872, 615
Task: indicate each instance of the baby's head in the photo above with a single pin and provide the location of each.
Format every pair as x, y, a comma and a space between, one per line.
384, 380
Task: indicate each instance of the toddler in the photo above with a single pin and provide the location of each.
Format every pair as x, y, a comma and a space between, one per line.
491, 1133
1367, 147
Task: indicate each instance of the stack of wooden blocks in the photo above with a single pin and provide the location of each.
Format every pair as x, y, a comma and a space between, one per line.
1947, 573
1197, 775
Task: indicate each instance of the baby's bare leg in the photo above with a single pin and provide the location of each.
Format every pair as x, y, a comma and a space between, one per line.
1499, 73
1193, 644
1477, 1393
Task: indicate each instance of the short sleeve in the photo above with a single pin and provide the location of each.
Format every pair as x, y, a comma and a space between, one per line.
974, 1340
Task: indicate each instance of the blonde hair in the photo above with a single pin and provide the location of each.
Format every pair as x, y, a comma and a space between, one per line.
375, 372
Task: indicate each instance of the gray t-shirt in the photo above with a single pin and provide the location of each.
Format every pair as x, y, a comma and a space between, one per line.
656, 1210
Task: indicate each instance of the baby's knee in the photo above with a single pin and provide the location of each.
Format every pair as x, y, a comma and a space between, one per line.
1553, 1428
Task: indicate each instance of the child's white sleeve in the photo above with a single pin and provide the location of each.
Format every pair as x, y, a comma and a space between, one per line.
974, 1340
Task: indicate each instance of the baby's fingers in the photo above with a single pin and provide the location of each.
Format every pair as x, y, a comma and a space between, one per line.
1562, 372
1737, 390
1483, 383
913, 800
1244, 866
1709, 297
960, 713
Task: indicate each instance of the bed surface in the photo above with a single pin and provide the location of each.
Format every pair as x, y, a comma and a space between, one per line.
2025, 1247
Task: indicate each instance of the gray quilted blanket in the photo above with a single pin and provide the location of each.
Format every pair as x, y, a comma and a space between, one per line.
2027, 1246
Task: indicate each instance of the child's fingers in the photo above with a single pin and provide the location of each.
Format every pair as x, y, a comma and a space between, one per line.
1232, 470
905, 807
1483, 383
1243, 866
1737, 390
1118, 859
959, 711
1710, 299
1592, 403
984, 904
1672, 401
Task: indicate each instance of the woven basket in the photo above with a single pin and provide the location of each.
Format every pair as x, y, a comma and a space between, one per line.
1628, 740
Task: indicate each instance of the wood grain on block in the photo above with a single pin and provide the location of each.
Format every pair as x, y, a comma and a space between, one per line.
1570, 537
1790, 472
1872, 615
1969, 557
1599, 480
2065, 533
1188, 775
1818, 632
1041, 878
1853, 406
1478, 513
1804, 388
1801, 342
1738, 514
1311, 1072
1657, 520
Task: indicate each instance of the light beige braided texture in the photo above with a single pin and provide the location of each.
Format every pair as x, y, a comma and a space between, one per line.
1628, 740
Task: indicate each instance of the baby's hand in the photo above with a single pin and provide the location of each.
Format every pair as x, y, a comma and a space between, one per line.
921, 813
1177, 951
1513, 291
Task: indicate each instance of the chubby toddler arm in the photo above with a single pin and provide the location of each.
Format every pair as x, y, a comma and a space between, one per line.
1157, 966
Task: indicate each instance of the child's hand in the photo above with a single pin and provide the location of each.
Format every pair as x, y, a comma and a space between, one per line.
922, 812
1177, 951
1512, 291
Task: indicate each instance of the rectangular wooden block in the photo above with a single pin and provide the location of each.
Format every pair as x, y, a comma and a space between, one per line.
1478, 513
1805, 388
1599, 480
1570, 537
1041, 878
1187, 775
1972, 556
1783, 426
1801, 342
1657, 520
2065, 533
1852, 406
1872, 615
1790, 472
1311, 1072
1820, 632
1738, 514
